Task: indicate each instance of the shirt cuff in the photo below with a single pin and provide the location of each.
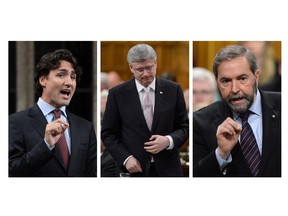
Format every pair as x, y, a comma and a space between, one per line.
124, 163
48, 145
171, 143
222, 163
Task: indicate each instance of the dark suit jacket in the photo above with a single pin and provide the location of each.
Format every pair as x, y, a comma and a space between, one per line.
124, 128
108, 165
29, 155
205, 124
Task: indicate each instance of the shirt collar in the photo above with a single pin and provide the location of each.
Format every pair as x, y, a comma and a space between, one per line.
141, 87
47, 108
255, 107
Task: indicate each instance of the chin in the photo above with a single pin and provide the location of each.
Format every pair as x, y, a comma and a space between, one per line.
240, 108
64, 103
147, 83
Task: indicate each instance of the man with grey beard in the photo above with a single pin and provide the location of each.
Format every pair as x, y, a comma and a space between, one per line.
223, 142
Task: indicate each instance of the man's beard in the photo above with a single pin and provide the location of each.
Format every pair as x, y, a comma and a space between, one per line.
243, 107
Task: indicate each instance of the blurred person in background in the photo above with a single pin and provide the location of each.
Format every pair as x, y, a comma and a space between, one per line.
114, 79
186, 98
204, 88
104, 81
169, 76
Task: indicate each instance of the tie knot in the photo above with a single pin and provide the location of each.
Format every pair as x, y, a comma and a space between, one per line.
57, 113
147, 89
244, 116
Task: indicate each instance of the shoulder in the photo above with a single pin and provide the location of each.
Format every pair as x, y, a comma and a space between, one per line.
165, 82
19, 114
169, 88
211, 111
123, 86
25, 113
274, 95
271, 97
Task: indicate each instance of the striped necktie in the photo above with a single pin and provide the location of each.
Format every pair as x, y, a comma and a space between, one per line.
248, 145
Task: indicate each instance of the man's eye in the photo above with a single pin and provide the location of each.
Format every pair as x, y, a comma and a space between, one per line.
243, 79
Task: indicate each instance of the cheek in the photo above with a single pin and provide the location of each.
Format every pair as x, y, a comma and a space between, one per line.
248, 88
137, 76
75, 84
224, 92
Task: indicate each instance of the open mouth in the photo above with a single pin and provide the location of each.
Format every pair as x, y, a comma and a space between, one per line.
65, 92
236, 100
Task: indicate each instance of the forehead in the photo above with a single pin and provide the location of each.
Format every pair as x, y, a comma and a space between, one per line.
202, 84
145, 63
65, 64
234, 67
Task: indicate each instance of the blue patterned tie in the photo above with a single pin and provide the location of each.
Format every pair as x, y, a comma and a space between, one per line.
248, 145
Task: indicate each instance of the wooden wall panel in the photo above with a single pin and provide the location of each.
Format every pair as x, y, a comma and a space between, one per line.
205, 51
172, 56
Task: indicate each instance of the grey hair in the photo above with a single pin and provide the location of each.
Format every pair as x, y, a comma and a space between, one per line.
104, 78
231, 52
140, 53
202, 74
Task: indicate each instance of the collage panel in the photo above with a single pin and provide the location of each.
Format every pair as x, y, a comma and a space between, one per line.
144, 108
51, 109
237, 109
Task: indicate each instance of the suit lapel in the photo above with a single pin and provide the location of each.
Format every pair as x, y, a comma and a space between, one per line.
160, 101
75, 140
38, 120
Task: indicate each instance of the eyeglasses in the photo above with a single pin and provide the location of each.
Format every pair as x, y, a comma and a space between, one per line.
202, 93
141, 70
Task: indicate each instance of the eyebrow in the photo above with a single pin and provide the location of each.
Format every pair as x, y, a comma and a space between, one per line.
237, 77
65, 70
242, 75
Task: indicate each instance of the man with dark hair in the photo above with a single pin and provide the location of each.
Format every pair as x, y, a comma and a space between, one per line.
47, 140
240, 135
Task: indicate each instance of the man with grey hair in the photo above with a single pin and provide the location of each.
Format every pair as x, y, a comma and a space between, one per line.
104, 81
145, 121
240, 135
204, 88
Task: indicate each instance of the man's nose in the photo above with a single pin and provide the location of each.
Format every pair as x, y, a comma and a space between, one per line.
146, 71
68, 81
235, 86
